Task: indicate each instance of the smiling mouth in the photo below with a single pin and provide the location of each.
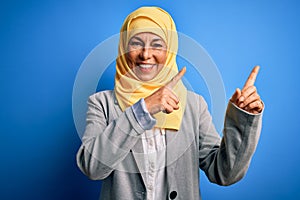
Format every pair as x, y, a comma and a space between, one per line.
146, 67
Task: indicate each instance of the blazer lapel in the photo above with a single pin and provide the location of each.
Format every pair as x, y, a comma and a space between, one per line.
171, 160
139, 156
137, 150
177, 143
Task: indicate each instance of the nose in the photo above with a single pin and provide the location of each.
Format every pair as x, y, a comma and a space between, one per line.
146, 53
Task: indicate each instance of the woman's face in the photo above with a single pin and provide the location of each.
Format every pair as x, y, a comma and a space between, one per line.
147, 54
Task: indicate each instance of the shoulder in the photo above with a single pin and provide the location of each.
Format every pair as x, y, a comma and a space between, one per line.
103, 94
105, 102
194, 98
102, 97
195, 105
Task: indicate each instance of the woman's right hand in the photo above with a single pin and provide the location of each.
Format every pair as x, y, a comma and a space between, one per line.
164, 99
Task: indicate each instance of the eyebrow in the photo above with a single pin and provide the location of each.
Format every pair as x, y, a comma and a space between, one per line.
139, 39
158, 39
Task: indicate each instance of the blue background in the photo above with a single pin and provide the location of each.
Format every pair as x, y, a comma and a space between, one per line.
43, 44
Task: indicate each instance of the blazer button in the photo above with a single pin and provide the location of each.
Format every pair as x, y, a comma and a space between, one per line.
173, 195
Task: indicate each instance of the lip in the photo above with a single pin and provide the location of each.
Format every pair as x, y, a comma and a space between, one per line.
145, 63
146, 68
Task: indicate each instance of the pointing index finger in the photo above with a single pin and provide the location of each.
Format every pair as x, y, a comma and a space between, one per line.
176, 78
251, 79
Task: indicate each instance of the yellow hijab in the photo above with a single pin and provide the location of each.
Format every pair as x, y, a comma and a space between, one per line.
128, 88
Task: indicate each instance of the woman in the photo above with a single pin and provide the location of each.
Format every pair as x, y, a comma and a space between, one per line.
148, 137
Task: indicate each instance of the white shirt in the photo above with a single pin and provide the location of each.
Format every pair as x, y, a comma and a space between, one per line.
154, 144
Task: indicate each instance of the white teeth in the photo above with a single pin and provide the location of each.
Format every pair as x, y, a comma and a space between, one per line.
145, 66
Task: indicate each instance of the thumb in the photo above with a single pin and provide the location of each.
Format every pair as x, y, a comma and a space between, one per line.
236, 96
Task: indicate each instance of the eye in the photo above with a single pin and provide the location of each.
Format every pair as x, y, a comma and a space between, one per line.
135, 44
157, 45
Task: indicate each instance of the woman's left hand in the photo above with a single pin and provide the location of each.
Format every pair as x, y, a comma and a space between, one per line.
248, 99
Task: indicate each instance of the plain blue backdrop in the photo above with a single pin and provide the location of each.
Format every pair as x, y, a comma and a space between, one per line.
43, 44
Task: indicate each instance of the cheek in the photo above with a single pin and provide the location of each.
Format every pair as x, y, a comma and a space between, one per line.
162, 57
131, 57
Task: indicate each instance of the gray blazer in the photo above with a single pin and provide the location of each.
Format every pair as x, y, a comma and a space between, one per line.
112, 150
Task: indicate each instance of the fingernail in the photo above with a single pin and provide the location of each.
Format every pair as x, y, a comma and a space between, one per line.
241, 105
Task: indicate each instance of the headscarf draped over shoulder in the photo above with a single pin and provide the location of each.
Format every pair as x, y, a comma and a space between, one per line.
128, 88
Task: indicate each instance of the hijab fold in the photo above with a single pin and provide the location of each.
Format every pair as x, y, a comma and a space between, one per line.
128, 88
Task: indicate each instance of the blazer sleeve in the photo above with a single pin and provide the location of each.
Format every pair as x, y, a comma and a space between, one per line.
106, 143
227, 160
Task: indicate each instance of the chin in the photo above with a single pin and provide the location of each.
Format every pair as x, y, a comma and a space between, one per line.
148, 76
145, 77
